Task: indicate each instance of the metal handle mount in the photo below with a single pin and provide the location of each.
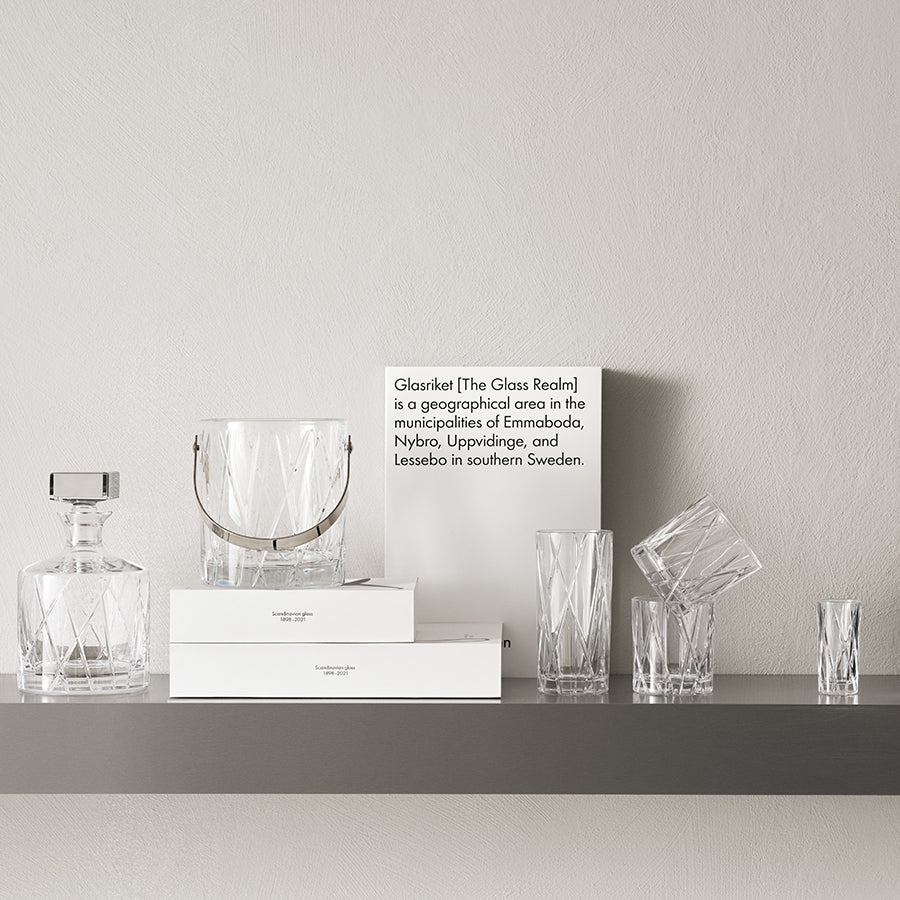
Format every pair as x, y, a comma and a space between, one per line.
288, 542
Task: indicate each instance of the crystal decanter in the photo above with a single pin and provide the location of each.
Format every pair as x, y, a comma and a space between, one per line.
83, 616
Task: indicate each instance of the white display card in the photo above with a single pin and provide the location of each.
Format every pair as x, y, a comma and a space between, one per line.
477, 459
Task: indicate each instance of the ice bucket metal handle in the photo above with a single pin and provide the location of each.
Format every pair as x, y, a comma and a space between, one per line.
289, 542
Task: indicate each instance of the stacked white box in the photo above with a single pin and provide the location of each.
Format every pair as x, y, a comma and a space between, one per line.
358, 640
460, 661
373, 611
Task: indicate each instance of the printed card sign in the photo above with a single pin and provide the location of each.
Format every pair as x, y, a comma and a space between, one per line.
477, 460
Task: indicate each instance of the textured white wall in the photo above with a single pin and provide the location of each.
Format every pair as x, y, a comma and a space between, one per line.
577, 848
250, 208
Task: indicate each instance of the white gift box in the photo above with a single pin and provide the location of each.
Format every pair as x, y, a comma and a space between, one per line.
461, 661
373, 611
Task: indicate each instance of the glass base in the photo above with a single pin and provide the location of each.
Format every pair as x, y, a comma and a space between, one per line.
838, 688
120, 683
674, 685
275, 575
655, 687
690, 684
839, 699
573, 684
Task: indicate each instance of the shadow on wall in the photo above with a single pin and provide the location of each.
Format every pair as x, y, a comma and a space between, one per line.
642, 453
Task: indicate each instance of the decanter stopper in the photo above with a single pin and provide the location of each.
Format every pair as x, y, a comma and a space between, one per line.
84, 487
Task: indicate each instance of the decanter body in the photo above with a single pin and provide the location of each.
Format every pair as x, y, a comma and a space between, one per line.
83, 615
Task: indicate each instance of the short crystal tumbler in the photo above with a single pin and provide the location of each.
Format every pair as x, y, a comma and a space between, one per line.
575, 580
695, 556
838, 646
271, 494
673, 646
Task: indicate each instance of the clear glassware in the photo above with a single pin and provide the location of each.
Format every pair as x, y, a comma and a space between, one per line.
649, 632
673, 646
838, 622
575, 581
266, 479
83, 616
695, 556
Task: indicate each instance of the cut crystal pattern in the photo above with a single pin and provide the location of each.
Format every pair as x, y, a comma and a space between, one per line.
696, 556
272, 478
575, 575
83, 618
838, 646
673, 646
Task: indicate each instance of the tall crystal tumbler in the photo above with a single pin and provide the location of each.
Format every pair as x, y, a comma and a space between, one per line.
838, 646
695, 556
575, 581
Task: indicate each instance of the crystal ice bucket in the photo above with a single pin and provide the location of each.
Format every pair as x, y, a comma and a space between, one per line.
271, 494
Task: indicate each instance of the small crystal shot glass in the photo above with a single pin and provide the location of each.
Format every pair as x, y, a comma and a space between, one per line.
695, 556
838, 647
673, 647
650, 674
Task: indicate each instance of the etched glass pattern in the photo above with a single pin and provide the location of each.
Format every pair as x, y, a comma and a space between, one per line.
272, 478
838, 646
575, 578
695, 556
673, 646
83, 617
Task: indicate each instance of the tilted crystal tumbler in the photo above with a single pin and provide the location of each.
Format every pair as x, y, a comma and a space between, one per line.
695, 556
271, 494
83, 615
575, 581
673, 646
838, 646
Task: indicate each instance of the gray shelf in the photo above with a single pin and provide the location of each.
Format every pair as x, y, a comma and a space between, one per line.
753, 735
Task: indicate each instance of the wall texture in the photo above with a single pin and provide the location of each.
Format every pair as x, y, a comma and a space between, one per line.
251, 208
401, 848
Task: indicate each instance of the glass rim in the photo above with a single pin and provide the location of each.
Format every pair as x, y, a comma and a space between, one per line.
573, 531
655, 598
836, 602
274, 419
